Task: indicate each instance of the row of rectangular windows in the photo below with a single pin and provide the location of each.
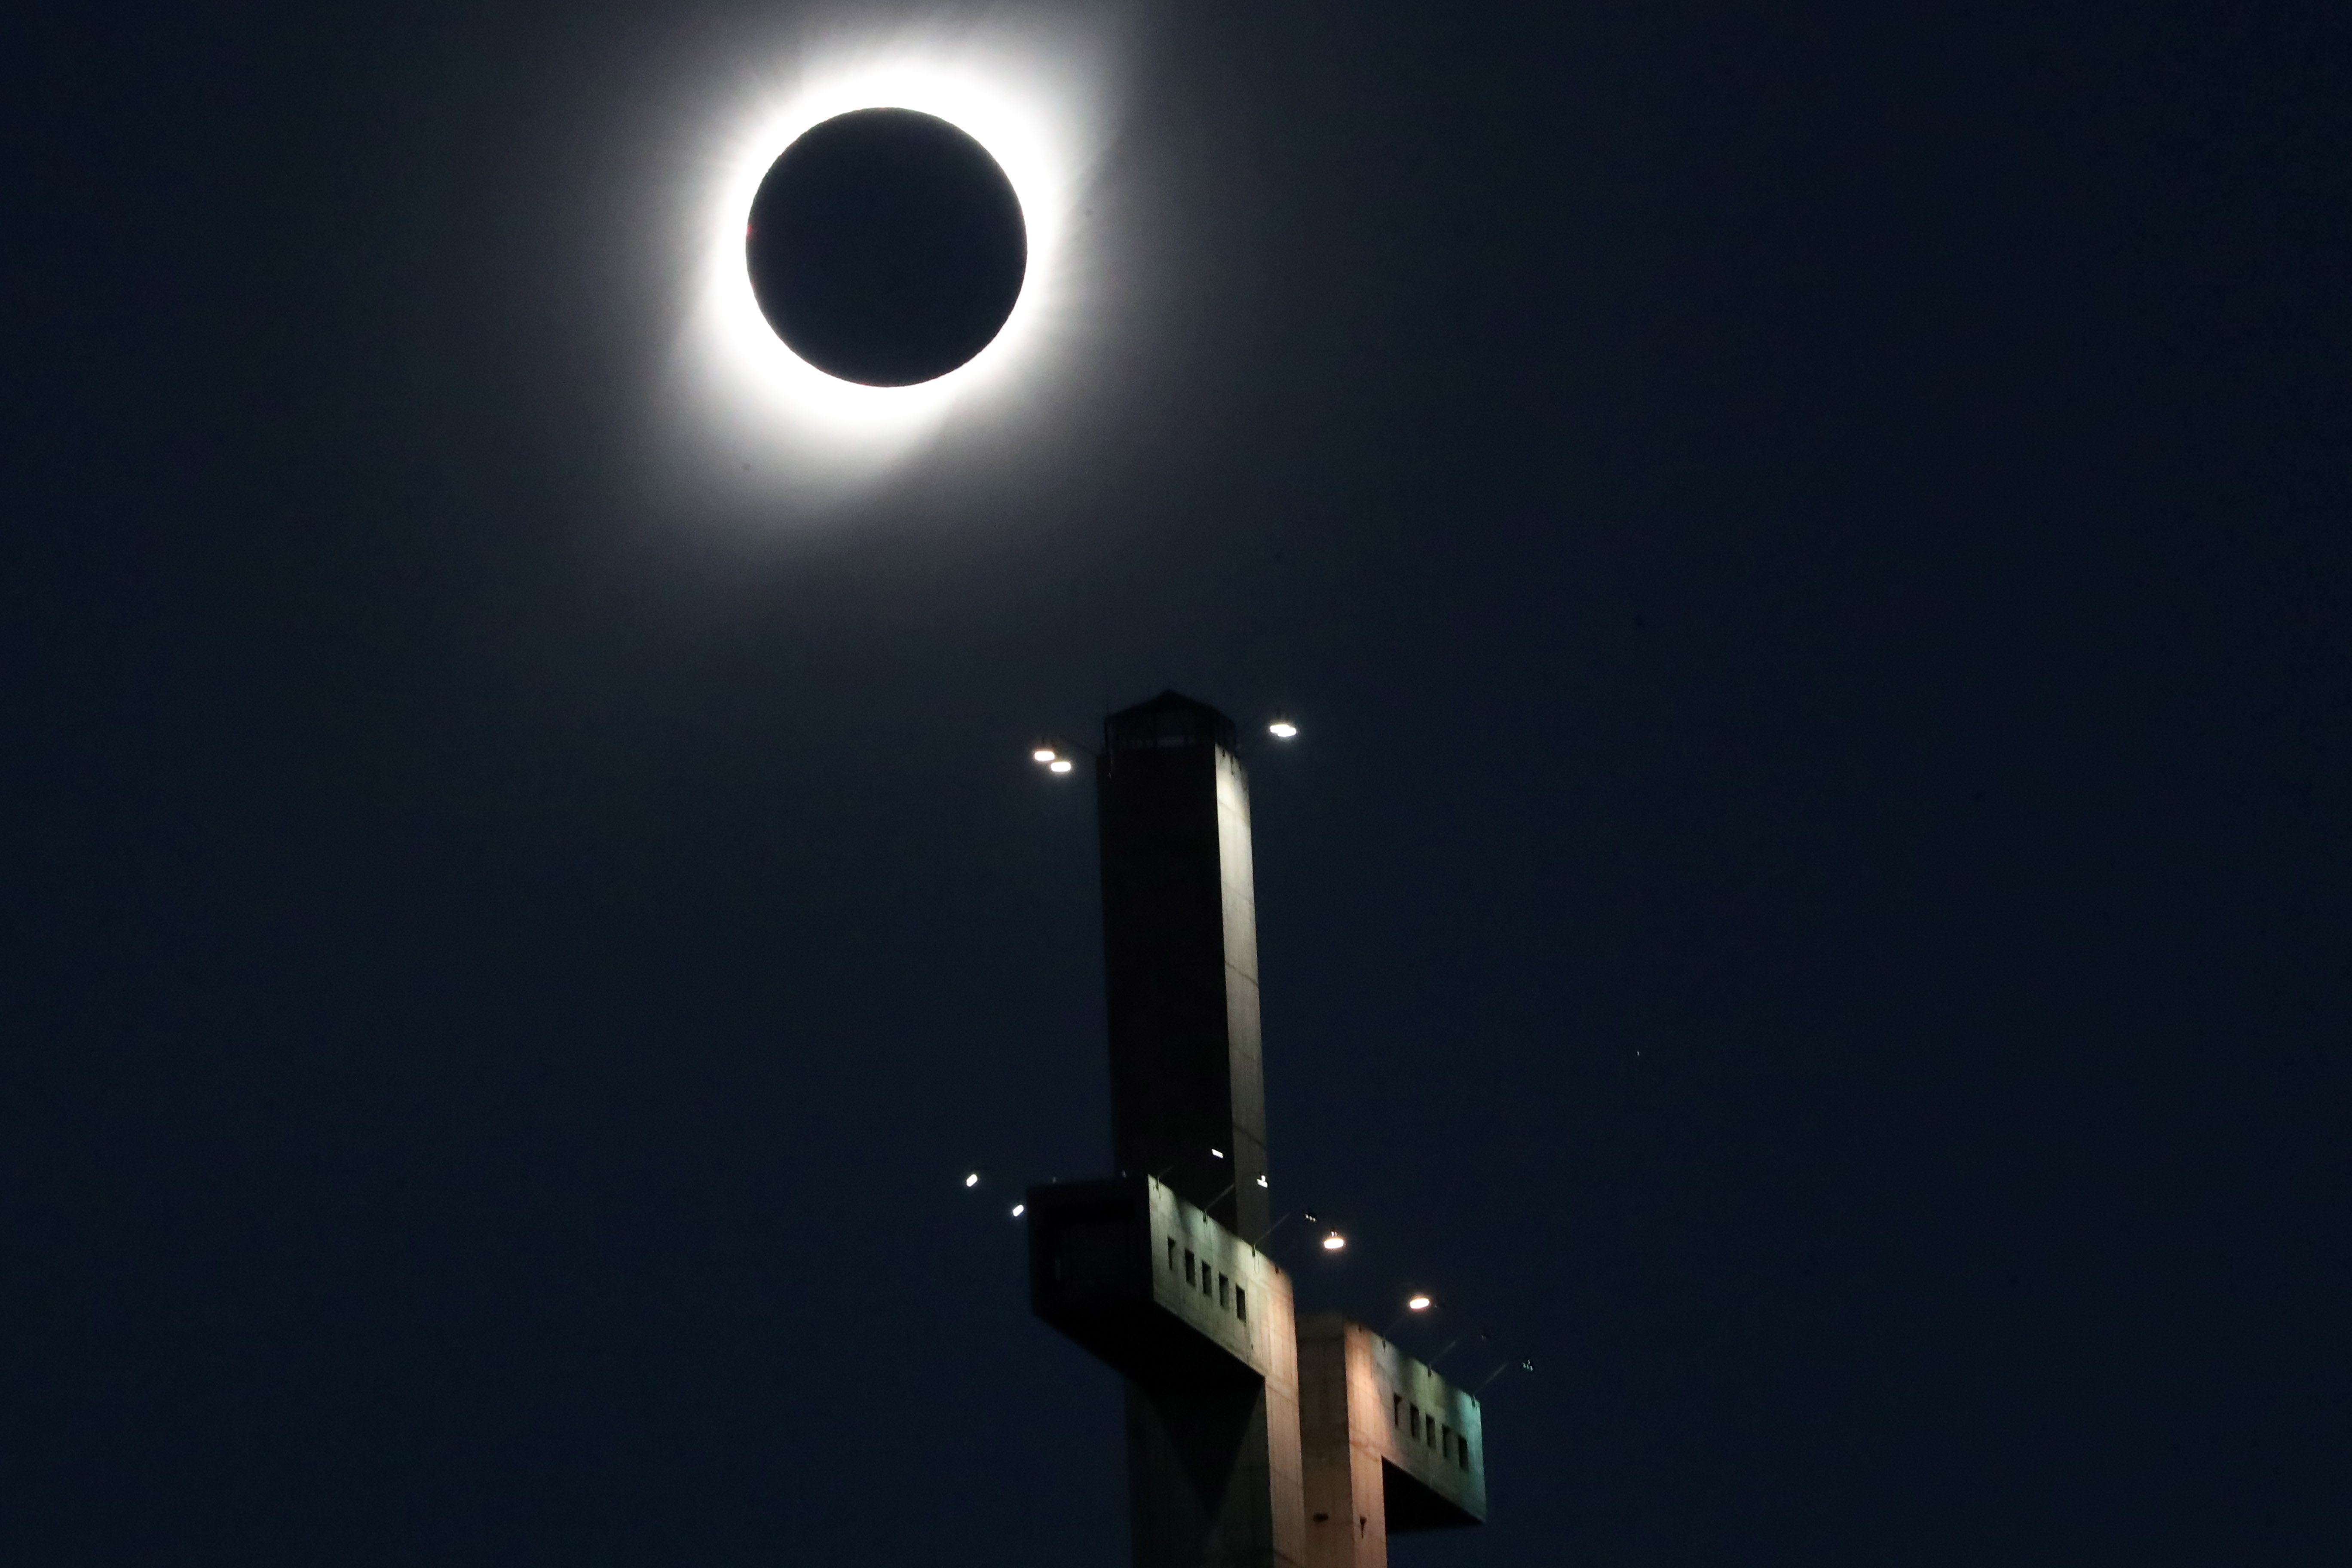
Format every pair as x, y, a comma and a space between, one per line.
1431, 1432
1228, 1294
1426, 1429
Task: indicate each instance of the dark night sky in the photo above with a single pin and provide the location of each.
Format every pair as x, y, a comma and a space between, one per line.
1807, 541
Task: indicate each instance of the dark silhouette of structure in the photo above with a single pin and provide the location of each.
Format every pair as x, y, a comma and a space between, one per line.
1254, 1440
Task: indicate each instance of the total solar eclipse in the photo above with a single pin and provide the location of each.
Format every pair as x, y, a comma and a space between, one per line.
886, 247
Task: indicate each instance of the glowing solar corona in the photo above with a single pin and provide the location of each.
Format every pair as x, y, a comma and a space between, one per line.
1032, 95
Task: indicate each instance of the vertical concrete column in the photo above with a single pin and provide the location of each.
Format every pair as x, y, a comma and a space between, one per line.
1245, 1047
1180, 948
1284, 1464
1339, 1448
1213, 1473
1200, 1490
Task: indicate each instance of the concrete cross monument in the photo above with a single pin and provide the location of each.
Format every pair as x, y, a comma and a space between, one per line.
1254, 1438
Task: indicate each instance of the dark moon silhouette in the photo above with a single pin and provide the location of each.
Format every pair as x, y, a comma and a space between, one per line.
886, 247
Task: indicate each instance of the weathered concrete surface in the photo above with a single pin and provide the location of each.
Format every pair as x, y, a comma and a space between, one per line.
1387, 1446
1202, 1325
1180, 950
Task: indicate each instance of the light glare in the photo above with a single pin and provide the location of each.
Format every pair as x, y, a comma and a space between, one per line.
972, 1180
1059, 766
1419, 1304
1027, 85
1334, 1242
1282, 729
1042, 754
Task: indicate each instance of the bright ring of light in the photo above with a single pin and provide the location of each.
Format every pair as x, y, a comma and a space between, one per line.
982, 102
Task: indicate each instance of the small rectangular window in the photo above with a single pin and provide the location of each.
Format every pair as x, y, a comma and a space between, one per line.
1172, 1254
1396, 1409
1417, 1422
1462, 1452
1445, 1441
1188, 1266
1225, 1291
1240, 1303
